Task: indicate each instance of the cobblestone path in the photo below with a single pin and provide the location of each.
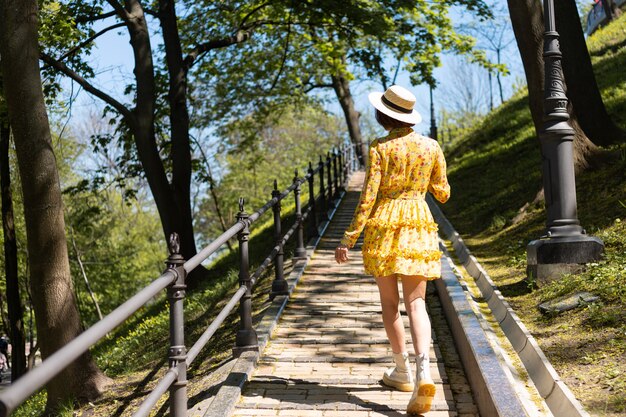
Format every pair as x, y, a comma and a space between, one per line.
329, 350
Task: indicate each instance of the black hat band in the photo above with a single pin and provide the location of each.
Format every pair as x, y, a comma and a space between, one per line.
394, 106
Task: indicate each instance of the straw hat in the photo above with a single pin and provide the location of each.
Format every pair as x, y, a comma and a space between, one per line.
397, 102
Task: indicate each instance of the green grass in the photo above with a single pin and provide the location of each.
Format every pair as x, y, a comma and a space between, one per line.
495, 173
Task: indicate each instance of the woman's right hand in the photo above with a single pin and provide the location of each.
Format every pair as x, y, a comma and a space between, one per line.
341, 254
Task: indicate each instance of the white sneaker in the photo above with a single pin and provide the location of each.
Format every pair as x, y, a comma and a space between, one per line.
424, 392
401, 376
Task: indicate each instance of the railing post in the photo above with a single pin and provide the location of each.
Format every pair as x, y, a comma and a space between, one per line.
246, 336
177, 354
335, 172
300, 251
330, 182
342, 167
346, 162
313, 214
324, 208
279, 286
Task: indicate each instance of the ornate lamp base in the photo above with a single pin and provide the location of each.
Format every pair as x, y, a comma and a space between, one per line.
548, 259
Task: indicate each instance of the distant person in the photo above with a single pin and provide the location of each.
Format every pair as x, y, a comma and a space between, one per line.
401, 241
5, 348
4, 354
4, 345
4, 365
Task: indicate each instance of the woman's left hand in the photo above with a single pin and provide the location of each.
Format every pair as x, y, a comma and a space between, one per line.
341, 254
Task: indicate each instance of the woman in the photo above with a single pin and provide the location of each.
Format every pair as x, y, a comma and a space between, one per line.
401, 240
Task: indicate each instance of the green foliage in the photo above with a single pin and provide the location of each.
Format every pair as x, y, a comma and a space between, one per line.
261, 151
118, 240
120, 245
308, 42
608, 54
59, 33
33, 406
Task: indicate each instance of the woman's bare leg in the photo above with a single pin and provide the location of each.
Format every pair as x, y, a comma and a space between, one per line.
390, 301
414, 292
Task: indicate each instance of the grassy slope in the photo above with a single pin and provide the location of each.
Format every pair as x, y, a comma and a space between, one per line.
135, 354
494, 172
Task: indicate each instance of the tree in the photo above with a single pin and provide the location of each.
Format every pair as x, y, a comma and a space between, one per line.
582, 88
143, 125
154, 128
284, 142
466, 94
527, 21
323, 54
58, 321
14, 302
139, 127
495, 37
414, 34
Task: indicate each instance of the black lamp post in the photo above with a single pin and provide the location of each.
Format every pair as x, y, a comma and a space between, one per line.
565, 246
433, 122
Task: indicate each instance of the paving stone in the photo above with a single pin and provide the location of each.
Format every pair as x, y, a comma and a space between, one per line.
240, 412
300, 413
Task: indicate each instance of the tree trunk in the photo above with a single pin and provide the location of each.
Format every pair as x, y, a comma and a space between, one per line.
498, 77
84, 273
172, 201
582, 89
51, 284
179, 125
527, 21
342, 88
14, 302
490, 91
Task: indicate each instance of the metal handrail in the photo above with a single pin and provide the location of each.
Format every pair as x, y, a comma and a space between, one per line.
339, 166
215, 324
36, 378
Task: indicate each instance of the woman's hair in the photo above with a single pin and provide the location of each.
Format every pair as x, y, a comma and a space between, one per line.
389, 122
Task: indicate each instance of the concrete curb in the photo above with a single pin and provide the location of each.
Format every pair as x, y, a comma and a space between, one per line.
492, 389
555, 393
224, 402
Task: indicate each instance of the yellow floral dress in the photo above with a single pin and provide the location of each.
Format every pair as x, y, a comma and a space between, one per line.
400, 233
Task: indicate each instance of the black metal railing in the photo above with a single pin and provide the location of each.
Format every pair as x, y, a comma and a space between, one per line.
338, 165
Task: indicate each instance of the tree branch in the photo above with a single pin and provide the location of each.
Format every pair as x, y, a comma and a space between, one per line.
243, 34
314, 86
151, 12
285, 51
240, 36
82, 270
89, 40
119, 10
102, 16
61, 67
253, 11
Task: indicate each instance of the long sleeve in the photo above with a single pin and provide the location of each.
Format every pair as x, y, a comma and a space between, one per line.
438, 185
367, 200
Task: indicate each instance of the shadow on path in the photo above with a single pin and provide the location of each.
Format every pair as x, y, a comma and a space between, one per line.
302, 394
